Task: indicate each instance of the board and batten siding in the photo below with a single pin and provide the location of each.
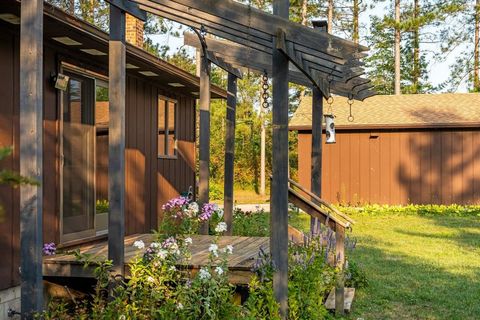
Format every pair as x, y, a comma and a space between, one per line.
397, 167
150, 181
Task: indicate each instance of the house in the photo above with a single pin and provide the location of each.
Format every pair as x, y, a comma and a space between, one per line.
420, 149
160, 134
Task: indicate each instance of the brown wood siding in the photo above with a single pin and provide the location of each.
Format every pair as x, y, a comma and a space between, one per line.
150, 181
9, 227
397, 167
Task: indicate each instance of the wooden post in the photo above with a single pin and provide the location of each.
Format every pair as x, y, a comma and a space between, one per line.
316, 165
31, 155
339, 262
204, 152
279, 188
116, 140
230, 152
317, 120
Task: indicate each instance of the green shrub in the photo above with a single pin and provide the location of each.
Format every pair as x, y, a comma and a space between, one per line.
415, 209
251, 224
355, 276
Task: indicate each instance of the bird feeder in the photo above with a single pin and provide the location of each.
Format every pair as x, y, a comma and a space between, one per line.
329, 128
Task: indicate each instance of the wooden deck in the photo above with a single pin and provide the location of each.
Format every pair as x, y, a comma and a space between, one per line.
240, 263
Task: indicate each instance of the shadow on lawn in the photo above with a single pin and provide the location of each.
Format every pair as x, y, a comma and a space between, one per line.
462, 230
404, 287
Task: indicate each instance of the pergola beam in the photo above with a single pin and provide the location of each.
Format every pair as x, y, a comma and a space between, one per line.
219, 62
31, 156
249, 26
242, 56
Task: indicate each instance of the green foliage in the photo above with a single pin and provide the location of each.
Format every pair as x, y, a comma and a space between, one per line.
355, 276
310, 279
252, 224
413, 209
12, 178
102, 206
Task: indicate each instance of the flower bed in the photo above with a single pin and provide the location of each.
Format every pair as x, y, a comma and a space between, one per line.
159, 288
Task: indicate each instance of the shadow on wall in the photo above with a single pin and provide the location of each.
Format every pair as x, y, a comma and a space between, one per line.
444, 164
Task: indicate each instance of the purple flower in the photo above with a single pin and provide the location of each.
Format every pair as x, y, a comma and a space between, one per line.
207, 211
175, 203
49, 249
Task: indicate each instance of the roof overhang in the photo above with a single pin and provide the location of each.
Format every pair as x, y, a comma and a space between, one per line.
60, 24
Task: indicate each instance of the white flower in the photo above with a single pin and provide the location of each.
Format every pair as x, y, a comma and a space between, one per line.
162, 254
229, 249
220, 213
179, 306
151, 279
155, 245
172, 268
122, 317
188, 240
204, 274
213, 249
221, 227
193, 208
139, 244
219, 270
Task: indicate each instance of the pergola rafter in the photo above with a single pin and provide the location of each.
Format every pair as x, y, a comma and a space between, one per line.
321, 59
238, 55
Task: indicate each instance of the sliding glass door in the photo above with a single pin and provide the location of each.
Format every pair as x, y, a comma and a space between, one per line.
78, 159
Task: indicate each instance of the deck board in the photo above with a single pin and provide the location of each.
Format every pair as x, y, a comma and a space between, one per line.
240, 263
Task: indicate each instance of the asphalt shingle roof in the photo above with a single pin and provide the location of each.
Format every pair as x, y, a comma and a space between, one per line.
407, 110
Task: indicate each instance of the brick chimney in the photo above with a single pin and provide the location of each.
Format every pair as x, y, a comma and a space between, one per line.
134, 31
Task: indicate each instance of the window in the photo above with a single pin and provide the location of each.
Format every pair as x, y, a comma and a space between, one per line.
167, 142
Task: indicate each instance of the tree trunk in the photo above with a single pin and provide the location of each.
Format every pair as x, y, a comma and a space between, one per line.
416, 48
356, 12
476, 62
304, 12
397, 47
330, 16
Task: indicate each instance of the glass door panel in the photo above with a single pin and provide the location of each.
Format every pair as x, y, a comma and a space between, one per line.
78, 155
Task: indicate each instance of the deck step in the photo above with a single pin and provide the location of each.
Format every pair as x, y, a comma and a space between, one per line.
295, 235
349, 294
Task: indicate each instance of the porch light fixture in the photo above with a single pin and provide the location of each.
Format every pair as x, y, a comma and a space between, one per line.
176, 84
67, 41
148, 73
60, 81
329, 128
131, 66
10, 18
94, 52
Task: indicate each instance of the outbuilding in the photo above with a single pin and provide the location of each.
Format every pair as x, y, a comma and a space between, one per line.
399, 149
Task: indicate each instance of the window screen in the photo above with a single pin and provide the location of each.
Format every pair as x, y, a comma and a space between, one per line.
166, 127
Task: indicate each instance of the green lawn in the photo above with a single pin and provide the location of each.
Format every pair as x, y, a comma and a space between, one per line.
418, 267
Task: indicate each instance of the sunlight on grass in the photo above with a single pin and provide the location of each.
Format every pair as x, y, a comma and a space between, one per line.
418, 267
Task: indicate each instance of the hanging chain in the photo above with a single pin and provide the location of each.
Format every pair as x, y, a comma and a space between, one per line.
265, 87
350, 102
330, 98
330, 103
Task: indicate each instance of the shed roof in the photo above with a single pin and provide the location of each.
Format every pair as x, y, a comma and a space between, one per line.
401, 111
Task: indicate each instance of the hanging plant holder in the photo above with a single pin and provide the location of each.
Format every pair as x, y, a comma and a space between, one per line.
330, 128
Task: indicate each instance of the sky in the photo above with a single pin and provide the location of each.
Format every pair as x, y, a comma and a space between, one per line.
438, 71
